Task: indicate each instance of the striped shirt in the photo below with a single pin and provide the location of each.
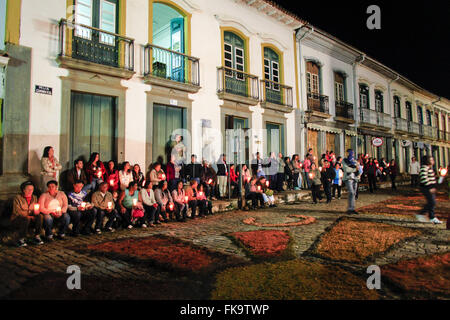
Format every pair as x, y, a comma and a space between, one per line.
427, 177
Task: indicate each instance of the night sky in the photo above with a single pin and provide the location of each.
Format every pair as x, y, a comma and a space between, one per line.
414, 39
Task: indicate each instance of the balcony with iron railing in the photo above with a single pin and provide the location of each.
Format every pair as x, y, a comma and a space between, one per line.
413, 127
443, 135
276, 96
368, 117
172, 69
384, 120
237, 86
344, 111
401, 125
318, 105
428, 131
91, 49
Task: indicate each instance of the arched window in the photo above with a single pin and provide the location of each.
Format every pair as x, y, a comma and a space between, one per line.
409, 114
379, 104
397, 107
364, 96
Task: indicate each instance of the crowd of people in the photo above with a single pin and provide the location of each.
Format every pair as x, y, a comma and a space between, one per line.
125, 197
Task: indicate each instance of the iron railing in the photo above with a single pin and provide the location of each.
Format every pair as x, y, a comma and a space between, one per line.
401, 124
237, 82
91, 44
318, 102
384, 120
413, 127
276, 93
443, 135
368, 116
171, 65
344, 109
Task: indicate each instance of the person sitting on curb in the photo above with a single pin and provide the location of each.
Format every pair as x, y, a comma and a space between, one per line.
81, 210
191, 194
178, 196
103, 202
53, 205
253, 193
267, 193
165, 201
26, 213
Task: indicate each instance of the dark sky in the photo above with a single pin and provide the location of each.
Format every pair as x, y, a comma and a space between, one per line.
414, 39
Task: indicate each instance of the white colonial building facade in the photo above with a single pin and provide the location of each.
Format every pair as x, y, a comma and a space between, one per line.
124, 77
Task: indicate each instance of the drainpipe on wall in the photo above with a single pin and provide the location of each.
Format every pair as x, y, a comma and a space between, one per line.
359, 59
299, 39
392, 129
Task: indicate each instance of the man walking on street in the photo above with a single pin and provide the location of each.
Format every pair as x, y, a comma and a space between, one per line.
428, 186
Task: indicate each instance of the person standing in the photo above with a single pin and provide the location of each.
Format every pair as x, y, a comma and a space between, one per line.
414, 170
372, 175
296, 172
50, 166
351, 170
392, 166
307, 168
280, 173
337, 182
328, 175
222, 175
428, 186
315, 178
76, 174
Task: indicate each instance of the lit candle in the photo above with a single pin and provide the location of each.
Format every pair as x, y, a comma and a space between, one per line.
311, 175
135, 202
143, 183
200, 193
341, 174
301, 165
58, 211
111, 182
186, 198
443, 172
320, 168
163, 177
210, 181
267, 184
171, 206
36, 208
259, 188
109, 205
83, 205
99, 174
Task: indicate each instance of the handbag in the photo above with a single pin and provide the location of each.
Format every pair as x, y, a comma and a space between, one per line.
137, 213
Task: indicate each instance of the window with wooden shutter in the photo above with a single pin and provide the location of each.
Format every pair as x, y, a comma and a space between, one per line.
364, 96
379, 107
339, 93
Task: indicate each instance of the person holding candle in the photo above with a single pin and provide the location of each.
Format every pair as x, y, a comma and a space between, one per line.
53, 205
173, 172
95, 170
26, 213
138, 176
202, 197
371, 170
289, 172
103, 202
266, 192
307, 168
252, 193
151, 207
131, 199
315, 177
164, 200
157, 174
112, 176
81, 210
337, 182
50, 166
296, 172
178, 196
193, 170
327, 177
208, 179
192, 200
125, 176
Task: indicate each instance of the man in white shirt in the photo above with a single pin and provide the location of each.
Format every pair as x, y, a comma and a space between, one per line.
414, 170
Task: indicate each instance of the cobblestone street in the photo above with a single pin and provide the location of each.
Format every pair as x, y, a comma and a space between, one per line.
27, 272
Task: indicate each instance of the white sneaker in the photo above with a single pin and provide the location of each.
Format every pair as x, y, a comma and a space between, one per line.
130, 226
144, 226
436, 221
421, 218
98, 231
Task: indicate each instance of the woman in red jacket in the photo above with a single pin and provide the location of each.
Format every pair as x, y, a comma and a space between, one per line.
95, 170
234, 180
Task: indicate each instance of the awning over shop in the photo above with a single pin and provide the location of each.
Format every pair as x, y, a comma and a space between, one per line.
318, 127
